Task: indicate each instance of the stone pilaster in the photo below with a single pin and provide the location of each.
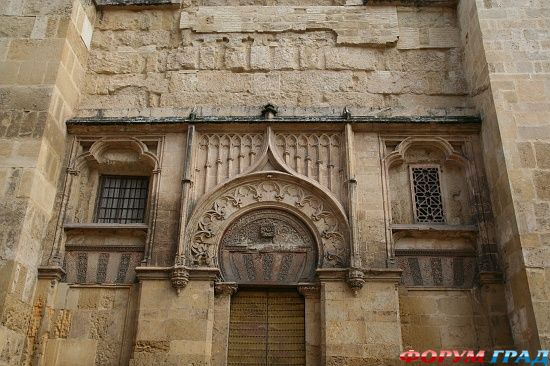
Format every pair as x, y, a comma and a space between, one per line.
222, 308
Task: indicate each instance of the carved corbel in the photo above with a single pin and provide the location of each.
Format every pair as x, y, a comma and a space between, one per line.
225, 288
179, 278
356, 279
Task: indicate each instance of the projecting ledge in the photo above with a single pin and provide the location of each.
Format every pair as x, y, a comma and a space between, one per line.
434, 228
98, 226
100, 3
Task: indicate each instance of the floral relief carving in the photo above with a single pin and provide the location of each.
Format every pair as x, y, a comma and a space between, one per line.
208, 225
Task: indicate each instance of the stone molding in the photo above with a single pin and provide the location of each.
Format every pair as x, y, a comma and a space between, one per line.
101, 3
309, 290
54, 273
311, 119
225, 288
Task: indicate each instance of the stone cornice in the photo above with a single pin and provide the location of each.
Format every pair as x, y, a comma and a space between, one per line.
417, 120
163, 273
101, 3
51, 273
446, 3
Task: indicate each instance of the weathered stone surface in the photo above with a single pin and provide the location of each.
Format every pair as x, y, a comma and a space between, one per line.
404, 70
380, 23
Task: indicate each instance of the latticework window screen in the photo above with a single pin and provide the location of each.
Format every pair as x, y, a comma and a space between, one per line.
428, 203
122, 199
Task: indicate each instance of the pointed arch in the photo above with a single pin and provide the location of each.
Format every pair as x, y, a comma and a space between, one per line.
323, 214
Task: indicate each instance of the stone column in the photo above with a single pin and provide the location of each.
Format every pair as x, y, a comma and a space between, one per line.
312, 319
222, 308
362, 328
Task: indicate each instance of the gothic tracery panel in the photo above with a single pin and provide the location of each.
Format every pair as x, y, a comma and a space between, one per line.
315, 155
222, 156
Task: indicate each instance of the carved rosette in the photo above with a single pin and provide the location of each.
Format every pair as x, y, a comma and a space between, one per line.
271, 189
356, 279
179, 278
225, 288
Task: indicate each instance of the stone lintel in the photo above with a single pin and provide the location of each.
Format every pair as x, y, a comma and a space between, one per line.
332, 274
370, 274
102, 3
417, 120
153, 273
163, 273
434, 227
434, 252
490, 277
51, 273
383, 275
101, 226
416, 3
203, 274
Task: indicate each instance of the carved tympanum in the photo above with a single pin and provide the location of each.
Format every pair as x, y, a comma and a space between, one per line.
268, 247
213, 216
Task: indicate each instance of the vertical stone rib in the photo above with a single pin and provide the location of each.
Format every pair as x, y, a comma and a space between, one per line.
352, 196
185, 192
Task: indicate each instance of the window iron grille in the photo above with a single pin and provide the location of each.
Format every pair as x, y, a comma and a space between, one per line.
122, 199
428, 202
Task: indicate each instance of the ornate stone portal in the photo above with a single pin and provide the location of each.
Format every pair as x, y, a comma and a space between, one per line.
268, 247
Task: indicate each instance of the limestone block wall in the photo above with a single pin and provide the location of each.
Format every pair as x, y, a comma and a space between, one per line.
506, 60
163, 61
363, 328
452, 319
174, 329
86, 325
42, 60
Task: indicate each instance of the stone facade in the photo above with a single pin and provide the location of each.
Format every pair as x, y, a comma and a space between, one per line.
389, 161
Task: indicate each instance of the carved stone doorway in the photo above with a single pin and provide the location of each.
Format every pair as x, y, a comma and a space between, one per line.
267, 327
268, 247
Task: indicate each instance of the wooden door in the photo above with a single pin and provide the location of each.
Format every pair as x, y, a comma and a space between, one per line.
267, 328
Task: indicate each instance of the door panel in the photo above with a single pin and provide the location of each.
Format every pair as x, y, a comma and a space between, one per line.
267, 328
248, 329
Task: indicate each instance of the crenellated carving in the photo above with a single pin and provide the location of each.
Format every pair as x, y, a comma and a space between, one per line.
224, 156
318, 156
324, 216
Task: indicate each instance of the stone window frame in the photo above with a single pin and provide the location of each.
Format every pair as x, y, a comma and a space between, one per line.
442, 192
87, 152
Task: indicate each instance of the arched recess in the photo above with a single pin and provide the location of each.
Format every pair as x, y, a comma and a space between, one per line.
268, 245
456, 184
78, 230
323, 215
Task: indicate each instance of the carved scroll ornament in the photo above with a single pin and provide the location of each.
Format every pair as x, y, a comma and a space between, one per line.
268, 189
